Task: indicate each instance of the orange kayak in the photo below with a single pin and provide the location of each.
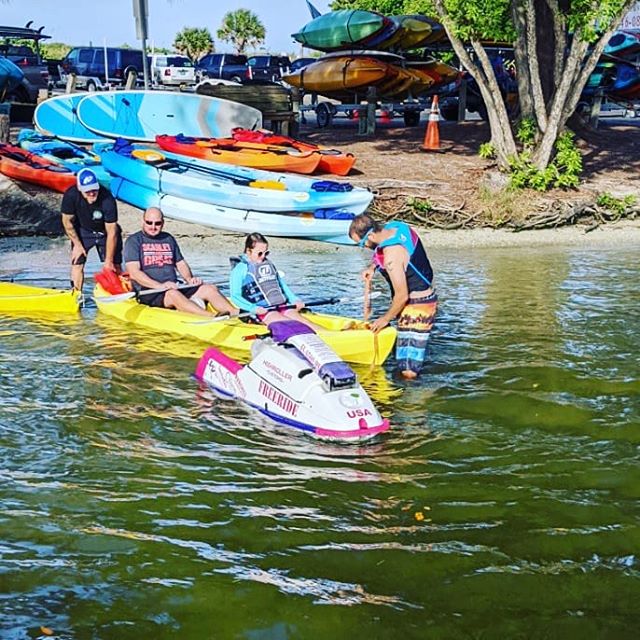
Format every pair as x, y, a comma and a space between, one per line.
331, 160
229, 151
18, 164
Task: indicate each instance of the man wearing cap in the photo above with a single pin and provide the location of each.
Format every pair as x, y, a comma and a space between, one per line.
90, 219
400, 257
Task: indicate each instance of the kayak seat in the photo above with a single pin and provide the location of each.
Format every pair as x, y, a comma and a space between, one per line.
324, 186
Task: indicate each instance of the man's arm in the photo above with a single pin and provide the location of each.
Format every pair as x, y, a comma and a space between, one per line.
184, 270
112, 238
395, 264
78, 250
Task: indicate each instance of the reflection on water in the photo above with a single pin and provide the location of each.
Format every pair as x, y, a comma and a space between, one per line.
502, 503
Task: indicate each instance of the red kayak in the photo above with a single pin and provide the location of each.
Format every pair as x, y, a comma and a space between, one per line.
230, 151
331, 160
18, 164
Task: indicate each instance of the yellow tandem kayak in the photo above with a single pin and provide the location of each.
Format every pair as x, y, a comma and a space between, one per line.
26, 299
353, 344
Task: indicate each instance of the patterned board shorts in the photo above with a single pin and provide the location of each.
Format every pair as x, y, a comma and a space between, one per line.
414, 326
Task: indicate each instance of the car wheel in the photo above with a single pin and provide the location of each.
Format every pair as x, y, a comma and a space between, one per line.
411, 118
129, 70
323, 115
18, 94
236, 79
91, 86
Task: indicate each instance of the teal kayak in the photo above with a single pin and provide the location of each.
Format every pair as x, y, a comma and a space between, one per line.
65, 154
340, 29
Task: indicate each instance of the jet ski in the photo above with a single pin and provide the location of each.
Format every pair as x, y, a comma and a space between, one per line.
298, 381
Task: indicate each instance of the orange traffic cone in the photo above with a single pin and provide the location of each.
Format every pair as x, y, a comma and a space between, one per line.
384, 118
432, 134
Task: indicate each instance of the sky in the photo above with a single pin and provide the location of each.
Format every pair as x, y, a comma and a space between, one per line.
80, 22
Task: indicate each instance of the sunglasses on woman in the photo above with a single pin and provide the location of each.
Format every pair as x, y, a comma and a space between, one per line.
263, 253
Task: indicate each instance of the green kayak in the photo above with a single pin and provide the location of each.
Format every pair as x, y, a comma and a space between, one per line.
338, 29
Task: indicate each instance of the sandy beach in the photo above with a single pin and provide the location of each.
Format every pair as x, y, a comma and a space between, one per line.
48, 255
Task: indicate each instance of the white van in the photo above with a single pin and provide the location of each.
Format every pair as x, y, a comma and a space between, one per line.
172, 69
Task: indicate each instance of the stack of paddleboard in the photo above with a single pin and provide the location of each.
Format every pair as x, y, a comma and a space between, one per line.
219, 195
141, 116
367, 49
617, 73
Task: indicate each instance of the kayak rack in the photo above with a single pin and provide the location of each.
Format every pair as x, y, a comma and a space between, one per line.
364, 107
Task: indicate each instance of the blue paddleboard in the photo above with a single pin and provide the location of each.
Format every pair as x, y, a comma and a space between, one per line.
142, 115
58, 117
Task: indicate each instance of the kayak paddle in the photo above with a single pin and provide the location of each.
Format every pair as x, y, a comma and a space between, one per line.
311, 303
145, 292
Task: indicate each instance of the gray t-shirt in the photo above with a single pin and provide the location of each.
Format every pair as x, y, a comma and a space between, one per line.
157, 256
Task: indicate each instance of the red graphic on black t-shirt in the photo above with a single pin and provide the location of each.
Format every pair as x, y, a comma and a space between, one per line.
157, 254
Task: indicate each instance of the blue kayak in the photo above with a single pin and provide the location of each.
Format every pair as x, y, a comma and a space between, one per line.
11, 75
327, 226
65, 154
228, 185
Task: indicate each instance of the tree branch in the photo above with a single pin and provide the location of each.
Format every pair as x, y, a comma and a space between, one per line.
518, 16
534, 69
560, 40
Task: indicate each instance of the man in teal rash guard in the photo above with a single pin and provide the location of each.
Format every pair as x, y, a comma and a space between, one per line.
400, 257
257, 287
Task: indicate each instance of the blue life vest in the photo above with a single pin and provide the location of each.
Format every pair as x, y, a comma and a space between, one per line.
261, 285
419, 271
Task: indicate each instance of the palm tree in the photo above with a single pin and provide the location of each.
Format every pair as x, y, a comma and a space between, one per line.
242, 29
193, 42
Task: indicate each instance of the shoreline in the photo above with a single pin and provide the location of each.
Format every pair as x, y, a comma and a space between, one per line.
41, 252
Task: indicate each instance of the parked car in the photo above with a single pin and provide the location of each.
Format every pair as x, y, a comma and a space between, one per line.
226, 66
300, 63
36, 73
88, 63
267, 67
172, 70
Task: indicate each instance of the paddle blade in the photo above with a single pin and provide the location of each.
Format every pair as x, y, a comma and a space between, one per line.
111, 282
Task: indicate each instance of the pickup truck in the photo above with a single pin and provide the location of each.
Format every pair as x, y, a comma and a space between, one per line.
36, 73
224, 66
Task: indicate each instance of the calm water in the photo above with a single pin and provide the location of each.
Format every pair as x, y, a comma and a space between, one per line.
502, 504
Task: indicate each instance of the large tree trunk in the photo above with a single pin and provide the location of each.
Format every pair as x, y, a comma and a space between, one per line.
551, 74
501, 133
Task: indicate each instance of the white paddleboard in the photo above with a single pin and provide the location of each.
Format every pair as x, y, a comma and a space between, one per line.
142, 115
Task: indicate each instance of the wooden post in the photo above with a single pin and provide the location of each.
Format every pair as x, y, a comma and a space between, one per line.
71, 83
5, 127
367, 119
595, 109
132, 77
294, 126
462, 101
43, 94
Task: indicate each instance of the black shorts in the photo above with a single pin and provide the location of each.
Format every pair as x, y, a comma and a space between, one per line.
157, 299
98, 240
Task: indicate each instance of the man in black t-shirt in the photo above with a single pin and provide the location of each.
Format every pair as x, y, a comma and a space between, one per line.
153, 260
90, 219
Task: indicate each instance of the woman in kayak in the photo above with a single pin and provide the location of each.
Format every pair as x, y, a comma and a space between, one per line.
257, 287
